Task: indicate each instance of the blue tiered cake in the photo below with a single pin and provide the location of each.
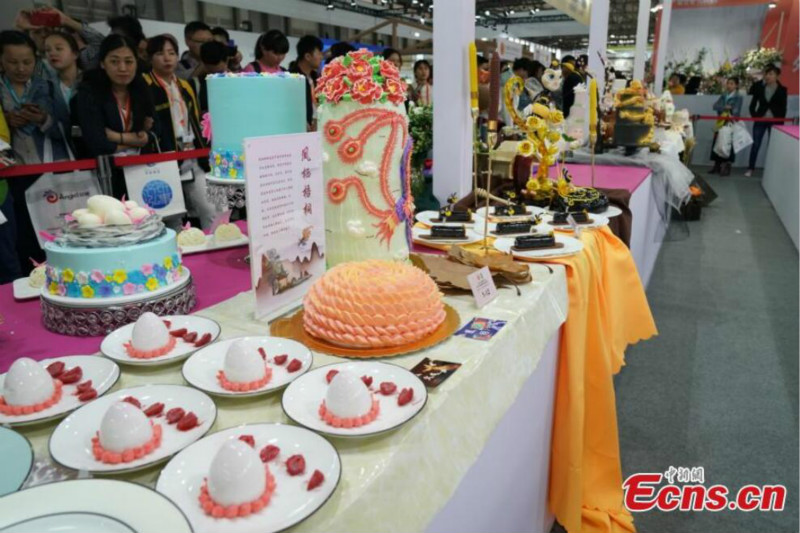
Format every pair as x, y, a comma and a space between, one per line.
251, 105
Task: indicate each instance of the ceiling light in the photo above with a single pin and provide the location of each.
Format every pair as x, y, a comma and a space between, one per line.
488, 13
330, 5
536, 9
511, 12
422, 20
773, 5
416, 34
352, 3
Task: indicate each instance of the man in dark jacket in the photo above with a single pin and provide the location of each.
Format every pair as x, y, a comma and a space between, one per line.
572, 78
309, 59
769, 101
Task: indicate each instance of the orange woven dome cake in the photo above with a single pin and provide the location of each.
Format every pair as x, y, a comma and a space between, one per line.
373, 304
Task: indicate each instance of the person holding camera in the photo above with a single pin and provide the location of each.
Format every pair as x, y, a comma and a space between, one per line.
222, 36
195, 34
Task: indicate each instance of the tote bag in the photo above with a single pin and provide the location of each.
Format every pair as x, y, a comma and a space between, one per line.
53, 196
741, 137
722, 147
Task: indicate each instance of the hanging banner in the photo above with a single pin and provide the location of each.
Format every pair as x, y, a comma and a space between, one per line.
285, 218
580, 10
509, 50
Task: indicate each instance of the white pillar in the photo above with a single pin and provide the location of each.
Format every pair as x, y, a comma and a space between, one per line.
642, 27
663, 42
453, 30
598, 40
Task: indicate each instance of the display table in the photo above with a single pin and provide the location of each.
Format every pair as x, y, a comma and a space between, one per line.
399, 481
780, 180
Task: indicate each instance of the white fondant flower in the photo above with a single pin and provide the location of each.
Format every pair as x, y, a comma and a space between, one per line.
356, 228
367, 168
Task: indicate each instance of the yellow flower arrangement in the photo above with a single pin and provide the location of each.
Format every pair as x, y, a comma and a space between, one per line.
168, 263
87, 291
53, 288
68, 275
556, 116
563, 187
532, 185
152, 283
232, 172
119, 276
525, 148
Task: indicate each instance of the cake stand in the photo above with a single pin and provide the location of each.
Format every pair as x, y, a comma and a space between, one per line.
225, 194
77, 317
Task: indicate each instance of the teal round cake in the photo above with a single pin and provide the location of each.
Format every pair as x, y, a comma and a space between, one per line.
102, 253
251, 105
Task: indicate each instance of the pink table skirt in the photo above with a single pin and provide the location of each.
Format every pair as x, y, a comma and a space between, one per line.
607, 176
217, 276
792, 131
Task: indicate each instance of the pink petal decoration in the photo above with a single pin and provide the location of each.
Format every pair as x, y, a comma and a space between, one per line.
34, 262
206, 126
47, 236
222, 218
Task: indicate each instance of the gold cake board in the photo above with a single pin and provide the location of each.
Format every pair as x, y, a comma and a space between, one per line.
292, 328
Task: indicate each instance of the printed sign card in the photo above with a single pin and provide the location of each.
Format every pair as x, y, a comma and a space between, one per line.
433, 373
285, 218
481, 329
483, 288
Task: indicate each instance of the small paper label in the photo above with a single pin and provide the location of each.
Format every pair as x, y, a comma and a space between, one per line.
574, 225
481, 329
433, 373
483, 288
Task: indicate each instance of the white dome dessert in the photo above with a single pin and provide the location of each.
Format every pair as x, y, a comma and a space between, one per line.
243, 363
348, 396
227, 232
237, 474
149, 333
117, 218
37, 277
191, 237
27, 383
100, 204
124, 426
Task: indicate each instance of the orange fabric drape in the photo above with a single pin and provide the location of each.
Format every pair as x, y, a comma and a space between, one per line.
608, 310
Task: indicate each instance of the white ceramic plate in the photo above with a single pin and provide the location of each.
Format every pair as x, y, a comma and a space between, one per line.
472, 236
598, 221
212, 244
611, 212
200, 370
532, 210
428, 217
301, 399
116, 300
90, 506
71, 442
103, 373
571, 247
291, 503
24, 291
113, 345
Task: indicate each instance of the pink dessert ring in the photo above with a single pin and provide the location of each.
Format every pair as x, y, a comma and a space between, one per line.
19, 410
212, 508
150, 354
353, 422
244, 386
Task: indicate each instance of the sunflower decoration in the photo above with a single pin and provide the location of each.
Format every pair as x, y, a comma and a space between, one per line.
526, 148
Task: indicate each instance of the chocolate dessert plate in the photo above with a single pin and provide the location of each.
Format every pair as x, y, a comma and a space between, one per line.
429, 218
423, 236
568, 246
594, 221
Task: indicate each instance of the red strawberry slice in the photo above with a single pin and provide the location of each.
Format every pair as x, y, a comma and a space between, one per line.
294, 365
249, 439
388, 388
205, 339
330, 375
133, 401
406, 395
269, 452
55, 369
296, 465
167, 323
190, 337
71, 376
154, 410
189, 421
367, 380
88, 394
316, 480
280, 359
178, 332
263, 353
174, 415
83, 387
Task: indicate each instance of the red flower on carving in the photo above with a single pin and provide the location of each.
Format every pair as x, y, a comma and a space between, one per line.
395, 90
359, 69
350, 151
332, 70
333, 131
366, 91
334, 89
389, 71
362, 54
336, 191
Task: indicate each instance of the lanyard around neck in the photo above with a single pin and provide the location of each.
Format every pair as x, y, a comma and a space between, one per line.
17, 99
125, 113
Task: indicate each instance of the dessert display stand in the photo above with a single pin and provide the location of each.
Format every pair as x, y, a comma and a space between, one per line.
90, 318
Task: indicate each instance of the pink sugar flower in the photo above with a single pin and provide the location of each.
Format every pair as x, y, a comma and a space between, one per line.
147, 270
98, 276
128, 289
